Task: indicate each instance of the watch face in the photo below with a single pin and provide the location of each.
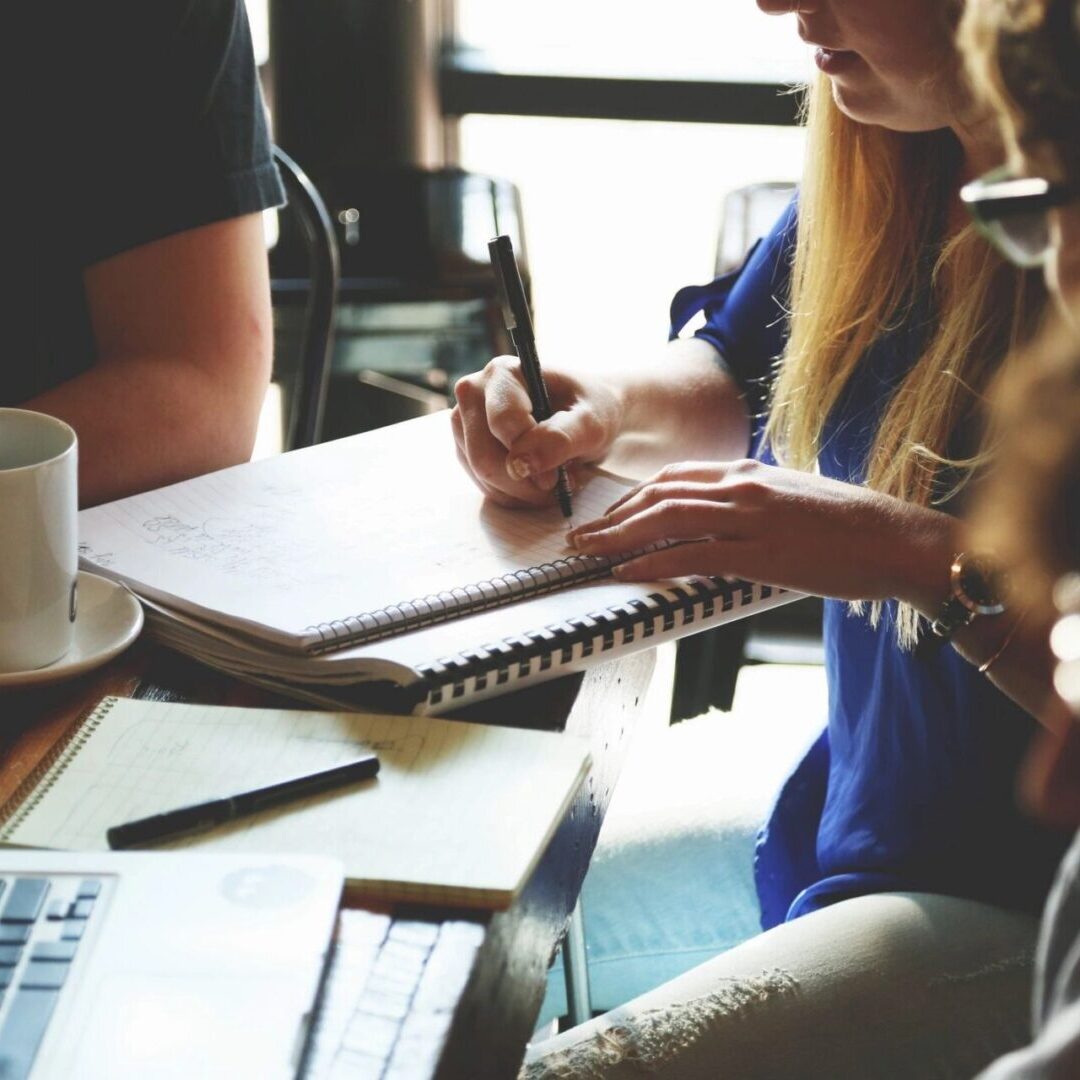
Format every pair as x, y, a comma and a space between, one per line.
980, 586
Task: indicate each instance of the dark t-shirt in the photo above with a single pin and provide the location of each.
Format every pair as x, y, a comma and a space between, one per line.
131, 120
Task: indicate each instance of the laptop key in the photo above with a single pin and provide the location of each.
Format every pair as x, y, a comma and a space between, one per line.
81, 909
9, 957
23, 1030
73, 930
5, 980
53, 950
43, 975
25, 900
14, 934
350, 1065
90, 889
57, 909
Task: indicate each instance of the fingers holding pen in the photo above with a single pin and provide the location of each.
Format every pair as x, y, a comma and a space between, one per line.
512, 457
569, 436
496, 494
491, 412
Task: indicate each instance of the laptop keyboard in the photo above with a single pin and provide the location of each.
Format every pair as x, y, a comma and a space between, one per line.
42, 920
391, 989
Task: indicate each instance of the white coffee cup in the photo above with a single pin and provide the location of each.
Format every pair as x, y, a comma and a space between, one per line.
38, 539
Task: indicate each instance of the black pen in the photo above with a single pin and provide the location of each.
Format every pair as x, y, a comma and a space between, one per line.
206, 815
519, 323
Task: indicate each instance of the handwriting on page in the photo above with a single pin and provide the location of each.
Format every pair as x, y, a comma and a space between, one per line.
328, 533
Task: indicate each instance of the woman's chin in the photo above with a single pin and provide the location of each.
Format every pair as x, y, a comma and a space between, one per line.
867, 103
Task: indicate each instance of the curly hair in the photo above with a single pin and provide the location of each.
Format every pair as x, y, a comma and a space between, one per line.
1024, 56
1029, 510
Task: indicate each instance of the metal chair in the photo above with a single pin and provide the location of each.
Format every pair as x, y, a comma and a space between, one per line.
708, 664
748, 212
304, 375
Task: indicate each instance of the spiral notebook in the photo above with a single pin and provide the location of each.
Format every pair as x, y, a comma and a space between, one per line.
376, 559
459, 814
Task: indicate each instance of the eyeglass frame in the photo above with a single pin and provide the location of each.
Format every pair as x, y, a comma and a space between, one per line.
999, 195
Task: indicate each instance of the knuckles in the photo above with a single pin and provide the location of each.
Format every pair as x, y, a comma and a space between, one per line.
747, 482
473, 387
676, 509
749, 492
745, 466
502, 365
468, 392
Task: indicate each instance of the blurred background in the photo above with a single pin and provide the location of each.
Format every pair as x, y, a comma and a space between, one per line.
615, 133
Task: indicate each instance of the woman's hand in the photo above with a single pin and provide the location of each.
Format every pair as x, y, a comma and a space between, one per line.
512, 457
780, 527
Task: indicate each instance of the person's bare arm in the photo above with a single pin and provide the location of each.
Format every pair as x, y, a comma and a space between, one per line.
184, 339
684, 407
676, 403
812, 534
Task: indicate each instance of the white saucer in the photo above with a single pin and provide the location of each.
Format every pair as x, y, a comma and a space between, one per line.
110, 619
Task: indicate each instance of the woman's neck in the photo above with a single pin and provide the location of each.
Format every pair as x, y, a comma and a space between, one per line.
980, 142
980, 151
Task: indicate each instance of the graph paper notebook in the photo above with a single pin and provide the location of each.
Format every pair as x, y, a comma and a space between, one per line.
376, 559
459, 814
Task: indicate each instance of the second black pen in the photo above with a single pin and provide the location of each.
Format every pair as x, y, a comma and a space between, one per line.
206, 815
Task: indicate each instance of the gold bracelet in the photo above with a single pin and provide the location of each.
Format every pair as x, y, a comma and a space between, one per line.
984, 667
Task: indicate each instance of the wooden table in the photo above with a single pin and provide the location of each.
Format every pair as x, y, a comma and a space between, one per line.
496, 1013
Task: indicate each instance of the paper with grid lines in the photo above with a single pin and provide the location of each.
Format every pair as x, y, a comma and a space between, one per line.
459, 813
297, 550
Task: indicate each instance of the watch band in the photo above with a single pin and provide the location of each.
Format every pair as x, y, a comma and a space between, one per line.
951, 617
973, 593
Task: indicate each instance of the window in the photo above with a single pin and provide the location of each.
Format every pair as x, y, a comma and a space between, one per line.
687, 39
618, 214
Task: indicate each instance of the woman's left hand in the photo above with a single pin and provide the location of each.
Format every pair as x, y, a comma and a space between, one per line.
780, 527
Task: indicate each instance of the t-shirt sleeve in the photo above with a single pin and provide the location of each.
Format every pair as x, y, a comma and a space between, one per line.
174, 129
746, 313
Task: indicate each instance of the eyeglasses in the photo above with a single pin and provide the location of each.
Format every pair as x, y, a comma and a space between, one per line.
1011, 212
1065, 641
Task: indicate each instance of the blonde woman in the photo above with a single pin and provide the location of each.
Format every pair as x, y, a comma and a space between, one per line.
897, 880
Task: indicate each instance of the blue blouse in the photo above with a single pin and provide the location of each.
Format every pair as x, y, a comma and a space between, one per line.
911, 784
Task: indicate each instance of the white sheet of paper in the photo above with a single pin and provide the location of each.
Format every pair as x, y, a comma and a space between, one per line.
327, 533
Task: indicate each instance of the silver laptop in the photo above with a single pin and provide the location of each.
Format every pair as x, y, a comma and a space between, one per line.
156, 965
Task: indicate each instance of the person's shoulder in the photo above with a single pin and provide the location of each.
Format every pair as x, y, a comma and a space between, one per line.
772, 256
785, 231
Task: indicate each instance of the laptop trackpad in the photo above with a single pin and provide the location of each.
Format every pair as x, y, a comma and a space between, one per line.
163, 1026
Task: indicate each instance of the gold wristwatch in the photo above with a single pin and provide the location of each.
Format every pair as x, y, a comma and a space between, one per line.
977, 588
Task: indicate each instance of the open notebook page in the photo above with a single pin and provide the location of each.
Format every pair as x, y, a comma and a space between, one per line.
459, 812
326, 533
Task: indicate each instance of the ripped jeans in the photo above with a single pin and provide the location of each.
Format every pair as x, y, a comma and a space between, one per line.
897, 986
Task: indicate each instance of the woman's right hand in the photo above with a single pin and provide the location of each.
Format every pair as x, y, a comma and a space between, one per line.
512, 457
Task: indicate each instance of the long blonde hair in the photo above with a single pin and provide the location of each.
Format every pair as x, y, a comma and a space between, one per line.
873, 205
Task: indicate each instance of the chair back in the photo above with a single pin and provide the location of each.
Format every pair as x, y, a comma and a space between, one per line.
748, 212
305, 376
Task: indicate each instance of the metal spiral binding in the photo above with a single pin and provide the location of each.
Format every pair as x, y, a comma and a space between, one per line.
454, 603
37, 784
611, 627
